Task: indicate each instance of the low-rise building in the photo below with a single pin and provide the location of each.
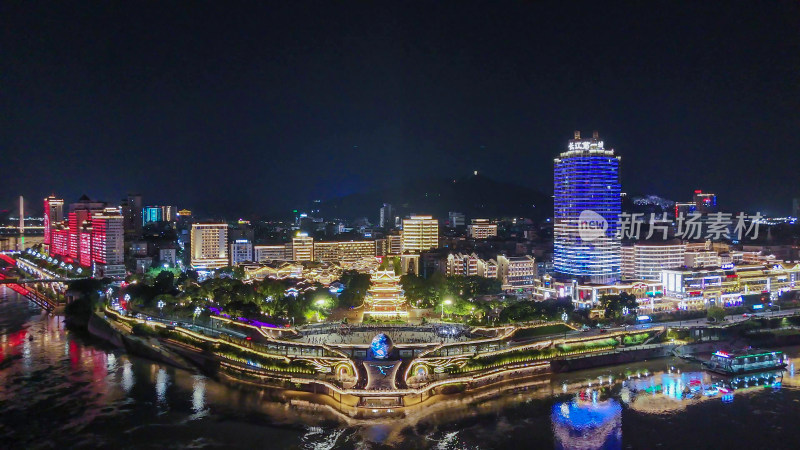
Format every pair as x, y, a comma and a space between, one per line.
702, 258
363, 265
482, 229
264, 253
776, 252
355, 250
302, 247
394, 244
409, 264
589, 295
456, 219
327, 252
462, 264
241, 252
309, 272
341, 252
167, 256
646, 260
142, 263
488, 268
138, 248
277, 270
516, 273
725, 285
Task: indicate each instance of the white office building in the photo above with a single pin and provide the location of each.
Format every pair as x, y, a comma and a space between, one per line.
209, 245
420, 233
241, 251
646, 260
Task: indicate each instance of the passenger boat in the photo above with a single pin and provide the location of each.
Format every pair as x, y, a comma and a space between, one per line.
729, 364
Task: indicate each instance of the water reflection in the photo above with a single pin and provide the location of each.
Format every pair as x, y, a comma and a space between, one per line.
199, 395
161, 386
586, 423
62, 390
111, 364
127, 376
673, 391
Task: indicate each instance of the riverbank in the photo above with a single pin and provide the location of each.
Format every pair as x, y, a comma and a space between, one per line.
109, 398
245, 362
149, 348
432, 373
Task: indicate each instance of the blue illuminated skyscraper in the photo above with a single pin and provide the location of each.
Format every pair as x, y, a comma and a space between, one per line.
587, 207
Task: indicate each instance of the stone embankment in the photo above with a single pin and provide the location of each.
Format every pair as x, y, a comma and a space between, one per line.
145, 347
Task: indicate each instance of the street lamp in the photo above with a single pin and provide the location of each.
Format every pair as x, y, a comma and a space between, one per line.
160, 305
446, 302
197, 312
320, 303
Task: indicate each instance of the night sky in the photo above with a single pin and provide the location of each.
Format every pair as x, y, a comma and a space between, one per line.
255, 107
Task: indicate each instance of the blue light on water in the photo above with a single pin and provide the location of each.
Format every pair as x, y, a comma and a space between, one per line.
580, 424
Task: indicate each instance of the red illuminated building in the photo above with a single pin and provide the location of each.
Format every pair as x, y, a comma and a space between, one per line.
93, 235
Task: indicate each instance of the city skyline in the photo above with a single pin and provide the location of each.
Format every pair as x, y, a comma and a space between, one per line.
193, 118
401, 225
33, 211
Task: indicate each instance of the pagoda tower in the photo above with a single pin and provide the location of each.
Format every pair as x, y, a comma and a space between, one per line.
385, 296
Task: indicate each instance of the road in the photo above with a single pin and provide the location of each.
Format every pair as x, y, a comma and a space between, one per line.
730, 319
694, 323
213, 331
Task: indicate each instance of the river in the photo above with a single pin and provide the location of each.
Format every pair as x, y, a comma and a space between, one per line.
59, 389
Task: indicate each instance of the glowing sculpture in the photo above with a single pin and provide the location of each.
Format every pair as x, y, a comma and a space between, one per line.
381, 346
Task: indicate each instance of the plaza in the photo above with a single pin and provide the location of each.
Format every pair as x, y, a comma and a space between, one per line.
400, 334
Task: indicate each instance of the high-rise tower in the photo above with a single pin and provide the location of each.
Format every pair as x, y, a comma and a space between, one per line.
209, 245
132, 212
420, 233
53, 216
587, 207
21, 223
107, 243
387, 216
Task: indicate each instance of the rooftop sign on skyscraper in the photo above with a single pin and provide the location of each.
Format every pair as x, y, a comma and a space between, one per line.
586, 212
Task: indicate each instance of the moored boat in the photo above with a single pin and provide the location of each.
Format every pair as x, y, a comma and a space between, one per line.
725, 363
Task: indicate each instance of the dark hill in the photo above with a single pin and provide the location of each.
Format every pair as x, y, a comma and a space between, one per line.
476, 196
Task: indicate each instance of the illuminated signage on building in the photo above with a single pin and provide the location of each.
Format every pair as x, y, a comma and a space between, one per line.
584, 145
